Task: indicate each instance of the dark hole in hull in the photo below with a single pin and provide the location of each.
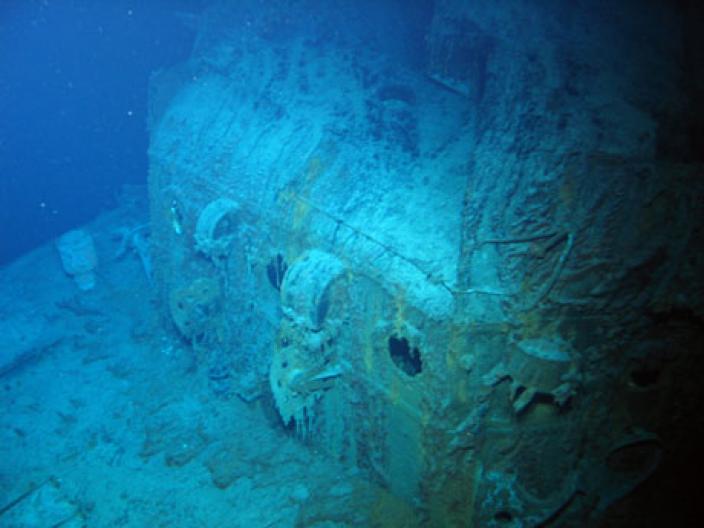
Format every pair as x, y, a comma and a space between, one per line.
404, 357
275, 271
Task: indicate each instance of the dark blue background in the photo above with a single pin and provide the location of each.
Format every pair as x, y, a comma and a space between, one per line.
73, 100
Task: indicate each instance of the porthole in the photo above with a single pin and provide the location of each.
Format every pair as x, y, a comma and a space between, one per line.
404, 356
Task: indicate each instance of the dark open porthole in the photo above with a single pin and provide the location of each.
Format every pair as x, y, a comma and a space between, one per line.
275, 271
645, 375
404, 357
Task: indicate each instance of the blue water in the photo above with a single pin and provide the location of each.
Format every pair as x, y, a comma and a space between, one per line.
73, 103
